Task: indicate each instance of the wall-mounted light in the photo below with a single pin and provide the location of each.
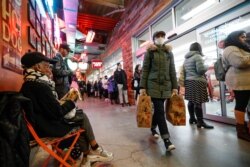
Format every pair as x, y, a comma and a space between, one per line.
90, 36
198, 9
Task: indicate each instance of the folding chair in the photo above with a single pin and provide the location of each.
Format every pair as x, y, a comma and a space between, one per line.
63, 157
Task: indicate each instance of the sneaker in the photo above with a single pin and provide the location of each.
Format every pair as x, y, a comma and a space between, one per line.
85, 162
169, 146
100, 155
155, 134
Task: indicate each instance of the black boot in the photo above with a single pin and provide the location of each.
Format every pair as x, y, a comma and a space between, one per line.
192, 119
203, 124
199, 115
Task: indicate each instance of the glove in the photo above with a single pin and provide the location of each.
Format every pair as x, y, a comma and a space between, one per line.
142, 91
174, 92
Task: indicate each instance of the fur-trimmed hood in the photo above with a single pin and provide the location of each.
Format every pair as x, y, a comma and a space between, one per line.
153, 47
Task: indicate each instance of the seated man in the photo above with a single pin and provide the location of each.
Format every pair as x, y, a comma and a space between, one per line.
48, 117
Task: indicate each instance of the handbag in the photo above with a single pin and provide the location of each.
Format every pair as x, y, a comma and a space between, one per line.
144, 111
175, 110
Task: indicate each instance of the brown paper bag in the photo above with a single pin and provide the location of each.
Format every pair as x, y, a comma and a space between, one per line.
144, 111
175, 110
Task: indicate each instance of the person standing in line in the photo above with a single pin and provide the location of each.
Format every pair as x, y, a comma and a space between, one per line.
159, 81
137, 78
120, 77
105, 88
236, 58
96, 89
196, 85
61, 72
111, 89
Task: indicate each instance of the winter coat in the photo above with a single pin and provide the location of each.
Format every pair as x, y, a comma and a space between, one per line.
112, 87
48, 113
194, 67
238, 62
121, 78
14, 136
61, 74
158, 72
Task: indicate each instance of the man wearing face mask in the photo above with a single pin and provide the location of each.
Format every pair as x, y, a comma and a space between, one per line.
159, 81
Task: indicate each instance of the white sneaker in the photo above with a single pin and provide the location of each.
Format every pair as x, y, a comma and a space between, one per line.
100, 155
156, 136
85, 163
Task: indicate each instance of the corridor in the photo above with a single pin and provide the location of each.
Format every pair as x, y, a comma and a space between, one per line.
115, 129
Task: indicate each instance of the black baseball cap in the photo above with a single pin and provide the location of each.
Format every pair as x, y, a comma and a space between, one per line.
31, 58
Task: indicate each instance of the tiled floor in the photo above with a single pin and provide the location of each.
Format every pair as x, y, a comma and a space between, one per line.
115, 129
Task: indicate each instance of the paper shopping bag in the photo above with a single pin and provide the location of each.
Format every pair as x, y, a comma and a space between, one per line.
144, 111
175, 110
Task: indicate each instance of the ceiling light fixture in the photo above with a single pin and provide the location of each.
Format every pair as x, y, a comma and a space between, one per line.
198, 9
90, 36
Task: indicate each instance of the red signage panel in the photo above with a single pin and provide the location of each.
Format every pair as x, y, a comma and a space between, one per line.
96, 64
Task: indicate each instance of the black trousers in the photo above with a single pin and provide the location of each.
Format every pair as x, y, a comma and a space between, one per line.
241, 97
159, 118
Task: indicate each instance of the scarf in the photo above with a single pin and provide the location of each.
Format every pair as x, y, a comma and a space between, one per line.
36, 76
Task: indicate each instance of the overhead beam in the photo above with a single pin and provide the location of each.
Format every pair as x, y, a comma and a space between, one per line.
106, 3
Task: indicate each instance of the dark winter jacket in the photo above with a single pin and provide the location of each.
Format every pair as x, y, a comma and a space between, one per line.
158, 72
61, 75
120, 77
14, 136
48, 113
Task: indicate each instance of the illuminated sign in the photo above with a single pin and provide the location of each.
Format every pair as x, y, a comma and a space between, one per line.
96, 64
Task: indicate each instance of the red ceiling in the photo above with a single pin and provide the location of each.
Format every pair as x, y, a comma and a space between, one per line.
86, 22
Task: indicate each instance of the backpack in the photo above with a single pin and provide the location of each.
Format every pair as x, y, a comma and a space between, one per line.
219, 70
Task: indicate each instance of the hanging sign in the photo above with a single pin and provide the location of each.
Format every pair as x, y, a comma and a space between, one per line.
96, 63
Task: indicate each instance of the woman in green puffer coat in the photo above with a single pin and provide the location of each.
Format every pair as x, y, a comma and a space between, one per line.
159, 81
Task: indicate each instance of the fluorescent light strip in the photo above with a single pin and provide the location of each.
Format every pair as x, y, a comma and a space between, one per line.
90, 36
198, 9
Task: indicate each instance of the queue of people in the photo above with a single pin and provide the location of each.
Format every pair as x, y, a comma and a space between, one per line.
157, 78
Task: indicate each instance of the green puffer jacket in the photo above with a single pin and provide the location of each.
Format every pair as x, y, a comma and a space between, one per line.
158, 72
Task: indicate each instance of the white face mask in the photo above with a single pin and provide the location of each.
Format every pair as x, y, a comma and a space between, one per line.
159, 41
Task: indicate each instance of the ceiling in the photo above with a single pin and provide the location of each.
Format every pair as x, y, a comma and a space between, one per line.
80, 16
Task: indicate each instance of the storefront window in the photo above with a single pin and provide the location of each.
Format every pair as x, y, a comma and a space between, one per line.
163, 24
110, 63
190, 8
144, 37
181, 47
210, 40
